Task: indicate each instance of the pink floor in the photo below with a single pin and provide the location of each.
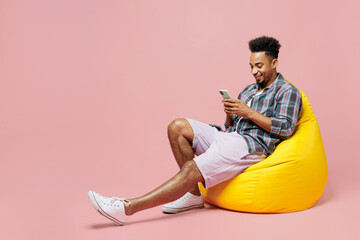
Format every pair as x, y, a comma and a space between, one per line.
87, 89
44, 196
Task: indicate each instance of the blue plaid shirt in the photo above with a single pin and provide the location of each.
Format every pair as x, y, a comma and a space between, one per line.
282, 102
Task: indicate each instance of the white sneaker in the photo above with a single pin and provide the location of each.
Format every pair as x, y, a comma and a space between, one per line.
185, 203
98, 196
112, 208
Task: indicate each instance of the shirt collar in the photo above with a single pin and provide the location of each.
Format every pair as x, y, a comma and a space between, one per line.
279, 76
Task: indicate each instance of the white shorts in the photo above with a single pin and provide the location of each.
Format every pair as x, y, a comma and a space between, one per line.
220, 155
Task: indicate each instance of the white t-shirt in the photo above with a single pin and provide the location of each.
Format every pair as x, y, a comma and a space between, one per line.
249, 103
258, 93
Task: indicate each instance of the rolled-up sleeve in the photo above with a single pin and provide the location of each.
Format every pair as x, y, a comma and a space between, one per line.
286, 113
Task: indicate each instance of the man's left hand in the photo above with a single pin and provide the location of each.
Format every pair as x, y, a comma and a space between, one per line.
237, 107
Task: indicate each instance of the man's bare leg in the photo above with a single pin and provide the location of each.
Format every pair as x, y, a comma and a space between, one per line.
176, 187
181, 136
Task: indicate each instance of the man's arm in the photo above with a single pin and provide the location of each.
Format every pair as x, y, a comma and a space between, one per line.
282, 124
260, 120
229, 120
240, 108
286, 114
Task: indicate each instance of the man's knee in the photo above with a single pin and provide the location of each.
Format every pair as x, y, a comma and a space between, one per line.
191, 170
180, 126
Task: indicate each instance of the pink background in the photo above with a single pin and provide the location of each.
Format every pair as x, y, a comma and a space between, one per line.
87, 89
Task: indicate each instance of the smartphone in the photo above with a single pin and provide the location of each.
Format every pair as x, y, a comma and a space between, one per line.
225, 94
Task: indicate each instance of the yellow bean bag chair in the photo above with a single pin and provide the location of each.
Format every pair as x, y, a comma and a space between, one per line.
291, 179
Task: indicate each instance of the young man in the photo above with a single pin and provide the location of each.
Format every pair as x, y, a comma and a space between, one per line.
265, 113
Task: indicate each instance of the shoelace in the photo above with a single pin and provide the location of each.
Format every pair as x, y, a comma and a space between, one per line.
114, 200
180, 200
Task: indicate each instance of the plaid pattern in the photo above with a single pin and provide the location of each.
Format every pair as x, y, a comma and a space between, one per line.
282, 102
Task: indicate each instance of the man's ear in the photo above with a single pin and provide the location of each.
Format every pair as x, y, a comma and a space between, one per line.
274, 63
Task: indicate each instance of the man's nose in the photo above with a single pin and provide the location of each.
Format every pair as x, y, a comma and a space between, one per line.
254, 71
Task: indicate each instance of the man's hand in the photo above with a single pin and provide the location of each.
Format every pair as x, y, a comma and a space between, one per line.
237, 107
240, 108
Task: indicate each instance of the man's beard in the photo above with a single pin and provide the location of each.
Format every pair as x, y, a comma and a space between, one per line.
261, 83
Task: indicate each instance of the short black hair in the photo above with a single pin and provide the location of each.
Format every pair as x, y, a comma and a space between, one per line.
269, 45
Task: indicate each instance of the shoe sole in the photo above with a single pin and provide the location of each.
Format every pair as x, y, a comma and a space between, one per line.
179, 210
101, 211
